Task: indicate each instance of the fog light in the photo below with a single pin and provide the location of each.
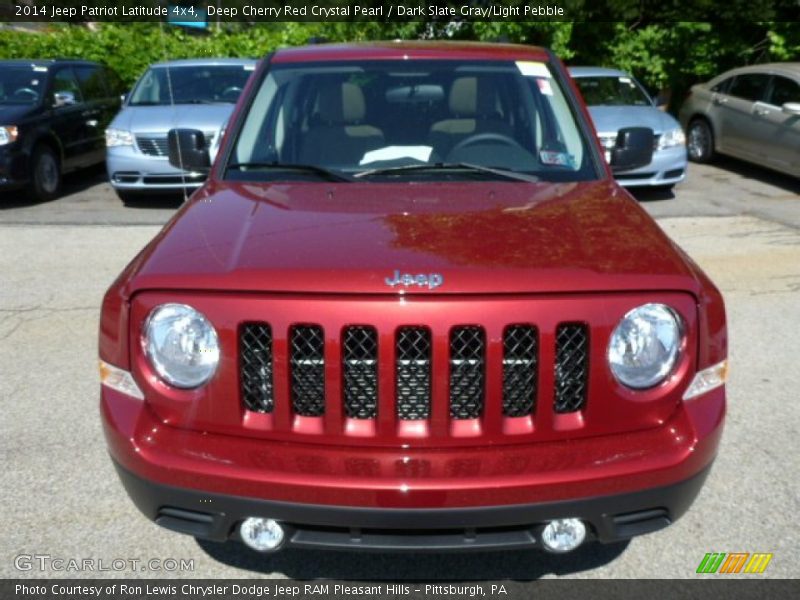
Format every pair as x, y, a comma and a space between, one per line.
261, 534
563, 535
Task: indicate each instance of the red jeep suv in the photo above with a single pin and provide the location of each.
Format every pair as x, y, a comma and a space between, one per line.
412, 310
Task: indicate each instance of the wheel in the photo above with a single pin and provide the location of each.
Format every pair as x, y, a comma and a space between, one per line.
45, 174
700, 142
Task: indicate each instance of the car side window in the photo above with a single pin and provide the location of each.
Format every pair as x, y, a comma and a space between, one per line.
723, 86
750, 86
92, 82
784, 90
64, 82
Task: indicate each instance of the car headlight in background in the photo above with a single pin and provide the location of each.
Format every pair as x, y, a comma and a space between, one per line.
645, 345
671, 139
118, 137
181, 345
8, 134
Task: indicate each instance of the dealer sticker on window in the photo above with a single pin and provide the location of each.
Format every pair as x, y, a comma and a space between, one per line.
532, 69
557, 159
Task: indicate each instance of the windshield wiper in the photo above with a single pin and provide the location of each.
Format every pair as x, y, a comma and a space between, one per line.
327, 173
500, 172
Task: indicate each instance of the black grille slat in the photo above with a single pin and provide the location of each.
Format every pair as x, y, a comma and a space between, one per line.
467, 372
153, 145
413, 373
360, 369
520, 363
572, 367
255, 352
307, 364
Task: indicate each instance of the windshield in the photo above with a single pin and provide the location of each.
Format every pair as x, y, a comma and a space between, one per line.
612, 91
191, 85
22, 85
410, 120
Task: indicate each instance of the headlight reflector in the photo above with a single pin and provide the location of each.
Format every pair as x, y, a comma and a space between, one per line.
645, 345
118, 137
8, 134
181, 344
671, 138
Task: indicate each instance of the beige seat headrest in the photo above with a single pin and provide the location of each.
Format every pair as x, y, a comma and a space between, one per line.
342, 103
470, 97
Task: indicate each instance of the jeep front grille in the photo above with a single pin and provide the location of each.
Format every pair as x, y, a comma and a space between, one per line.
255, 356
572, 367
307, 365
467, 361
513, 357
413, 373
360, 367
520, 353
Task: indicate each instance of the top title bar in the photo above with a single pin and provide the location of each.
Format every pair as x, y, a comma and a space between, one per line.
253, 11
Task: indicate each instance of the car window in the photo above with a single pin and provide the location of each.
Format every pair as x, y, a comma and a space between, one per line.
722, 86
612, 91
92, 82
209, 84
357, 117
64, 81
784, 90
750, 86
21, 85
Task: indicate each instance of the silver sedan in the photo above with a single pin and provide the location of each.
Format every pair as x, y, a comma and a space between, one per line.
751, 113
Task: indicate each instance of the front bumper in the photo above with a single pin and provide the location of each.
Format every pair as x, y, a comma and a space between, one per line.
131, 171
204, 483
668, 167
215, 516
14, 170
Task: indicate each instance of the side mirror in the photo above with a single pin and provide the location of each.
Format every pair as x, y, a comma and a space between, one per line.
791, 108
187, 150
63, 99
634, 149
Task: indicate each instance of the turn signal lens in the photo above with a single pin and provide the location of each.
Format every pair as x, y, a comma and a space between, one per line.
119, 380
707, 380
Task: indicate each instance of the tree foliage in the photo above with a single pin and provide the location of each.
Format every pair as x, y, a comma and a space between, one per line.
661, 52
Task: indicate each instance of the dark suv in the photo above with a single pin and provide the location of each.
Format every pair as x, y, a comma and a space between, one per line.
53, 115
411, 309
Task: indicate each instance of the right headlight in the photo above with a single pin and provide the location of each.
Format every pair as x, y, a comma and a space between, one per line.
118, 137
181, 345
8, 134
671, 138
645, 346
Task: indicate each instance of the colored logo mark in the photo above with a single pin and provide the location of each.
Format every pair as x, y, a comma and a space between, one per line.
734, 562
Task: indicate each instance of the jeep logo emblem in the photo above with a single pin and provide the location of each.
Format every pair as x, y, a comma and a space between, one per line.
431, 281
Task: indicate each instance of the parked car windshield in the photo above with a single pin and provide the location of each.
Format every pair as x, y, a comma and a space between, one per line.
190, 85
21, 85
612, 91
410, 120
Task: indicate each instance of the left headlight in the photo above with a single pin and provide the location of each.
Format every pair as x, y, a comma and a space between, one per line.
8, 134
118, 137
181, 345
671, 138
645, 346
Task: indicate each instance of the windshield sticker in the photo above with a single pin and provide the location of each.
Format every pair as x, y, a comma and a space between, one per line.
544, 86
625, 79
421, 153
557, 159
249, 67
532, 69
40, 69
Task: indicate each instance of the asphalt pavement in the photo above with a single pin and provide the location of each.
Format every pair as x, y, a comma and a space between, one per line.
62, 499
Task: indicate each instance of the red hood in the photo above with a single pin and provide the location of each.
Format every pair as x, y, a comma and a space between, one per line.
494, 237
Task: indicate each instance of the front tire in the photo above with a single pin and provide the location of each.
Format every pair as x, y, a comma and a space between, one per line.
700, 141
45, 174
